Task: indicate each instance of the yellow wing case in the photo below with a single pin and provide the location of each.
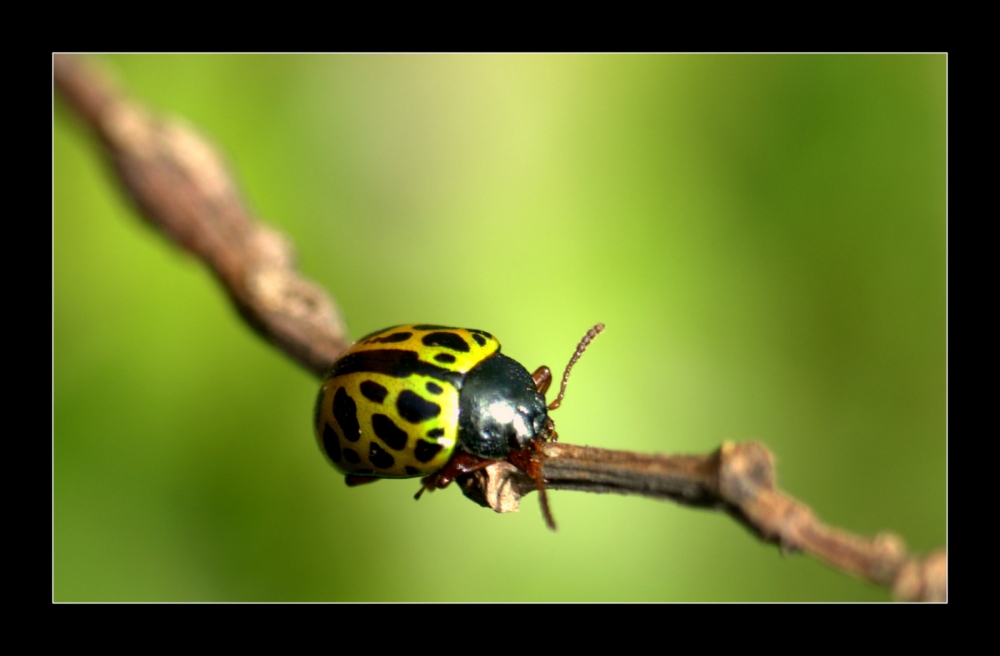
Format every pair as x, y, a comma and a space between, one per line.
389, 406
455, 349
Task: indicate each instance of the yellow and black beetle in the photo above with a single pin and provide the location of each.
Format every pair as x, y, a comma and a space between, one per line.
437, 402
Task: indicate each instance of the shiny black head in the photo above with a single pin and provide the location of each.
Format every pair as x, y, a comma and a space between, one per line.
500, 410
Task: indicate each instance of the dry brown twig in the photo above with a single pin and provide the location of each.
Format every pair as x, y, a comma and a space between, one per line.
183, 187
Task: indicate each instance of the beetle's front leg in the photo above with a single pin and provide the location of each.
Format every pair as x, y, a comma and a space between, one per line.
461, 463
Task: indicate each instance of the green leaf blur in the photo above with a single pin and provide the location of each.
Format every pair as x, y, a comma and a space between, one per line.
764, 236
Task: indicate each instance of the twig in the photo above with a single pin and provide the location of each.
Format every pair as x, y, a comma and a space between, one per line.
737, 479
182, 187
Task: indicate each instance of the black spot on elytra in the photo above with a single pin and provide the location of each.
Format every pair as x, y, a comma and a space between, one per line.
394, 338
413, 471
435, 432
380, 457
415, 409
445, 358
479, 339
428, 326
390, 433
351, 456
331, 443
373, 391
434, 388
345, 411
480, 332
448, 340
426, 451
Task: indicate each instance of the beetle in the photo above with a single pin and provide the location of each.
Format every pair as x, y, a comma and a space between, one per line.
436, 402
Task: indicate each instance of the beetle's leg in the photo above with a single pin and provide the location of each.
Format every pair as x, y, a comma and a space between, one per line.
461, 463
529, 460
543, 499
542, 378
550, 430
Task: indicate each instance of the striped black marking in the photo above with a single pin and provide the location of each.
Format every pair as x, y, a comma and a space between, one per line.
426, 451
373, 391
380, 457
390, 433
479, 339
331, 443
414, 408
451, 341
397, 363
394, 338
345, 411
375, 333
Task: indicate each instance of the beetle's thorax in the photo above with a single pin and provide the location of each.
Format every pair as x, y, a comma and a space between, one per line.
500, 410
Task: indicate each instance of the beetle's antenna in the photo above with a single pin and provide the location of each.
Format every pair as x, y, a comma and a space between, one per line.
581, 347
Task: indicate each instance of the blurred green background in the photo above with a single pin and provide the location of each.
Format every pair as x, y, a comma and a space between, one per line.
764, 236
